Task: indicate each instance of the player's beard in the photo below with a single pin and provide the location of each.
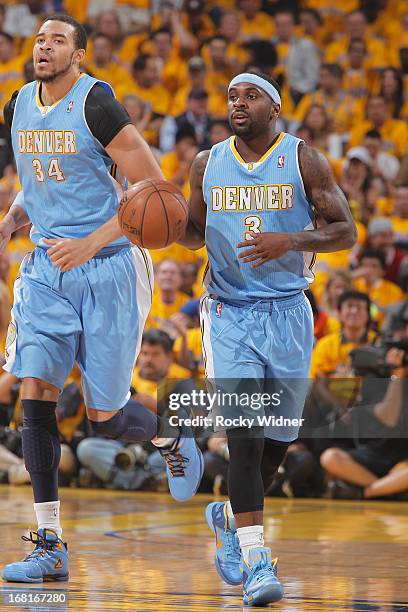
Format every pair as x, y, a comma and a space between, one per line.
48, 78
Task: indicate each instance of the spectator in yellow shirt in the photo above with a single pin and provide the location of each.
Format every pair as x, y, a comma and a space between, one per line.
394, 132
146, 84
198, 80
392, 90
167, 298
356, 28
230, 28
11, 66
173, 69
103, 66
311, 25
254, 22
340, 107
220, 68
369, 278
187, 346
338, 282
358, 77
176, 164
399, 217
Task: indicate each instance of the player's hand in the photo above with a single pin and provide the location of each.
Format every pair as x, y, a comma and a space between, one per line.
67, 253
264, 246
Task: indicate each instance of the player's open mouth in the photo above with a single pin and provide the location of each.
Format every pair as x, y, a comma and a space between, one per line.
43, 61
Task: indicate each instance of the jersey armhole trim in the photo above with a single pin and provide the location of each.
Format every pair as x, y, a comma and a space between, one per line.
205, 174
301, 142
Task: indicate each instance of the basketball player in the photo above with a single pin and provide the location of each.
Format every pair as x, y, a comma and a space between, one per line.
255, 197
83, 295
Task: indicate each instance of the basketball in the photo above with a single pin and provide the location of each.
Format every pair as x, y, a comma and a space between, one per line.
153, 214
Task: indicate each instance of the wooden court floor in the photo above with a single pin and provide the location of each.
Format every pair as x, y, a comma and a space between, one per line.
142, 551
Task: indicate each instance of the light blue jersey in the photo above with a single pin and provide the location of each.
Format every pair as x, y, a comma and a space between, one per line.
266, 196
64, 171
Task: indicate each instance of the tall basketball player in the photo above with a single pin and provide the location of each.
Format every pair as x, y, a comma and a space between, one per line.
83, 294
255, 198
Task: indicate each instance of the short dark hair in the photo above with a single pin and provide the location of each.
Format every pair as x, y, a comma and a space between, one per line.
140, 62
158, 337
314, 13
162, 30
353, 294
80, 37
186, 130
373, 134
374, 254
334, 69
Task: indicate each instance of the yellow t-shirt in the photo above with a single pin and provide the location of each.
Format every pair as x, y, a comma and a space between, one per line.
377, 53
261, 26
113, 74
161, 312
194, 346
400, 227
156, 95
383, 294
142, 385
331, 354
343, 111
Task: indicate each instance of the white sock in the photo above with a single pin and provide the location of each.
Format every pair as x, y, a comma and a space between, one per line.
249, 538
48, 516
162, 442
230, 517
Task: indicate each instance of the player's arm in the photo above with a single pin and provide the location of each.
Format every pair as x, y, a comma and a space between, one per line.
197, 209
336, 231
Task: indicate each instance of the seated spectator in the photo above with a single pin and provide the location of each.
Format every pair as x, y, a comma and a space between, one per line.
382, 164
399, 216
370, 278
102, 64
323, 137
195, 115
392, 90
357, 72
197, 79
189, 272
220, 130
340, 107
254, 23
356, 29
173, 69
298, 57
141, 114
394, 132
338, 282
356, 176
230, 28
167, 297
330, 359
146, 84
373, 468
187, 346
381, 237
311, 25
176, 164
194, 19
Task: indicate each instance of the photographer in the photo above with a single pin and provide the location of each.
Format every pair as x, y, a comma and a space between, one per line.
374, 468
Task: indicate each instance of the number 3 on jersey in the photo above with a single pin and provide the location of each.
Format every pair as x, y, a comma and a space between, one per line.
252, 224
53, 171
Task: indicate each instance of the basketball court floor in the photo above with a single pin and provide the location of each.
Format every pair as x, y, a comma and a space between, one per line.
143, 551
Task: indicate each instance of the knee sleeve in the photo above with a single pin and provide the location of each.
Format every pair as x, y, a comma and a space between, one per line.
273, 454
132, 423
41, 445
245, 486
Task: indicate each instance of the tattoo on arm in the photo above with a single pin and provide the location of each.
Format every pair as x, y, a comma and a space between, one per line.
329, 204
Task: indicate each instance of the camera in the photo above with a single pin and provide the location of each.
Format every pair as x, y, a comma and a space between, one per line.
371, 360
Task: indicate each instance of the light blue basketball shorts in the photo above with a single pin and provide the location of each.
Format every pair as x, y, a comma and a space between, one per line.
261, 349
93, 314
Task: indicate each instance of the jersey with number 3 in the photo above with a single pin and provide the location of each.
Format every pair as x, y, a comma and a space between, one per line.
63, 169
266, 196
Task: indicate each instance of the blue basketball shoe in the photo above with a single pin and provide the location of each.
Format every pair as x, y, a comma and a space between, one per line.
48, 561
228, 557
185, 467
260, 579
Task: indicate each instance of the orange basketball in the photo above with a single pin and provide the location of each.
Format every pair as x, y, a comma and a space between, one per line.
153, 213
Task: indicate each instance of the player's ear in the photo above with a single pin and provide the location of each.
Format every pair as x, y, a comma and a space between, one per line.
275, 110
79, 55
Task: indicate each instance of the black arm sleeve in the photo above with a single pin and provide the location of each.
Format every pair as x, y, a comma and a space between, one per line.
104, 115
8, 112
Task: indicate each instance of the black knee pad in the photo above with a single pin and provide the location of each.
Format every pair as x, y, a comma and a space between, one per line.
245, 486
41, 445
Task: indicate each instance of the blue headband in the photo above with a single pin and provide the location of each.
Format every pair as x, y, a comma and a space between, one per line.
254, 79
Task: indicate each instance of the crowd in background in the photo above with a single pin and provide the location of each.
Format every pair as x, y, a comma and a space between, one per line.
342, 66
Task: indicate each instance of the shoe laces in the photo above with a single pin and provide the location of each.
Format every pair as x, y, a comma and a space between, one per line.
263, 569
42, 545
232, 548
175, 461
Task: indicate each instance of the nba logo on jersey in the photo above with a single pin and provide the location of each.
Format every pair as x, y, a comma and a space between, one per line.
70, 106
218, 310
281, 161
